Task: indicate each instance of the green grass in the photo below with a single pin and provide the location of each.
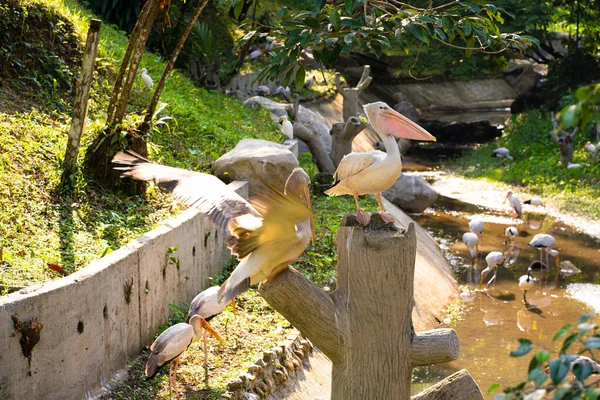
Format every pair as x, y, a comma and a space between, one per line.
537, 165
39, 223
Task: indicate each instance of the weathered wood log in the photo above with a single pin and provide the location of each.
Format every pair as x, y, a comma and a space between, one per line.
565, 141
312, 140
82, 96
351, 105
342, 135
434, 347
459, 385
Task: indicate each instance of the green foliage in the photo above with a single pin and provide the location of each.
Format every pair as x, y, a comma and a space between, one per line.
123, 13
583, 107
537, 164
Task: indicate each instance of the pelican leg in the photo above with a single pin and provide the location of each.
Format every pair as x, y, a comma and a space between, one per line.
205, 358
363, 217
385, 215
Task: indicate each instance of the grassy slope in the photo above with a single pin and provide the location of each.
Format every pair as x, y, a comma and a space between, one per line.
39, 224
537, 165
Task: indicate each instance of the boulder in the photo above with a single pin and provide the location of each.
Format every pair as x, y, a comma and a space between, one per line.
411, 193
254, 160
522, 75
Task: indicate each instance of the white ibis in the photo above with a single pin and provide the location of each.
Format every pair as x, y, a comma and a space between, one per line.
510, 233
525, 284
542, 241
308, 84
534, 201
263, 90
286, 127
254, 54
206, 305
470, 239
494, 259
571, 165
373, 172
502, 152
515, 204
266, 235
146, 79
172, 343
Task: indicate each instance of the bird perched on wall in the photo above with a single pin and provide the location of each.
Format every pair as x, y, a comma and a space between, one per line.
146, 79
374, 172
263, 90
542, 242
170, 345
510, 233
471, 239
515, 204
525, 284
286, 127
494, 259
534, 201
266, 234
501, 153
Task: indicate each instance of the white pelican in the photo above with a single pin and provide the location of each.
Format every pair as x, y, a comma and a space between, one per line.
266, 235
494, 259
502, 152
254, 54
206, 305
263, 90
571, 165
542, 241
534, 201
470, 239
373, 172
515, 204
286, 127
172, 343
525, 284
510, 234
146, 79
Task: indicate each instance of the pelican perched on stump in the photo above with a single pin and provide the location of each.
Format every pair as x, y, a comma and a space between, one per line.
266, 234
374, 172
172, 343
494, 259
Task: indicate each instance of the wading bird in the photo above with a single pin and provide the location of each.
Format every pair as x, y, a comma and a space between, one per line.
542, 242
494, 259
172, 343
146, 79
254, 54
510, 233
286, 127
373, 172
263, 90
476, 226
266, 234
534, 201
591, 148
502, 152
525, 284
515, 204
283, 92
311, 81
470, 239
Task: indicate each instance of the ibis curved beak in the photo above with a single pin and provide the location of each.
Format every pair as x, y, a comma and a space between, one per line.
312, 220
210, 330
398, 125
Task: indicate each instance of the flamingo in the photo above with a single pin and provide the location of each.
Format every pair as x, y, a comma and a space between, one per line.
494, 259
542, 241
525, 284
266, 235
470, 239
172, 343
515, 204
373, 172
502, 152
286, 127
147, 79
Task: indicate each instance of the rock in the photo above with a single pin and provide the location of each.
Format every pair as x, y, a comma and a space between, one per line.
411, 193
521, 75
252, 160
235, 384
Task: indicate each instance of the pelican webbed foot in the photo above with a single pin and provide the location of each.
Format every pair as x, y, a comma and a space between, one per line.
387, 217
363, 217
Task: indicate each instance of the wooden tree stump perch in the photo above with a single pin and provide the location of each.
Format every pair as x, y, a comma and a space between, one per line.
351, 106
459, 385
364, 326
565, 141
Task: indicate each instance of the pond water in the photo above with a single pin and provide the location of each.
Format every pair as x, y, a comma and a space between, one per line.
496, 317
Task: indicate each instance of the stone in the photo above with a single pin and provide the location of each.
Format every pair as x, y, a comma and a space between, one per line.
299, 354
289, 365
269, 356
280, 376
521, 75
252, 160
235, 384
411, 193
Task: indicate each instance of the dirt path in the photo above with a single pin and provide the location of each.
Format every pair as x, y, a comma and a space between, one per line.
491, 194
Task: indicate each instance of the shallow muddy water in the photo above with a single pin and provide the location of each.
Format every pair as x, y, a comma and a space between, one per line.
495, 318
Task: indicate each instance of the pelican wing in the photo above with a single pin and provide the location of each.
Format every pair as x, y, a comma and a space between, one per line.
354, 163
203, 191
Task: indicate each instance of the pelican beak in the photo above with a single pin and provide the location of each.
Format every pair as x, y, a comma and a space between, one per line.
398, 125
210, 330
234, 307
312, 220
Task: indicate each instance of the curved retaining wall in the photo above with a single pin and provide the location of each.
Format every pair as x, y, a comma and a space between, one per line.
99, 318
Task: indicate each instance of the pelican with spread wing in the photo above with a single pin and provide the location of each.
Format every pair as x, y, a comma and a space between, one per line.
267, 234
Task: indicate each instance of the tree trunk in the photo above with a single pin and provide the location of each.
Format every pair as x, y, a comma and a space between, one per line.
364, 327
170, 65
81, 99
351, 105
459, 385
565, 141
342, 135
312, 140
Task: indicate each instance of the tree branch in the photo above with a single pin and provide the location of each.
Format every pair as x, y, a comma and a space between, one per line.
312, 140
434, 347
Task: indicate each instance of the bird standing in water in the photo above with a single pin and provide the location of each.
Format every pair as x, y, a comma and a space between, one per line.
525, 284
494, 259
470, 239
515, 204
374, 172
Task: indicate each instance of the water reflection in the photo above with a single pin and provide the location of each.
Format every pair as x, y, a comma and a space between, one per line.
496, 317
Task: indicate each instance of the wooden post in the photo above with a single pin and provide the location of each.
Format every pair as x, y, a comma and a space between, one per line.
459, 385
313, 141
565, 142
81, 97
342, 135
351, 106
364, 326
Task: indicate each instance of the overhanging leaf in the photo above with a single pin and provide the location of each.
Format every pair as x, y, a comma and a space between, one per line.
558, 370
493, 388
562, 332
300, 75
418, 32
582, 370
592, 343
525, 347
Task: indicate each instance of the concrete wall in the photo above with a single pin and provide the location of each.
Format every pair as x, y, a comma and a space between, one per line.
90, 330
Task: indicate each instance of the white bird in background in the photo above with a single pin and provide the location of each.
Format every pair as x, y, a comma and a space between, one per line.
510, 233
471, 239
286, 127
494, 259
515, 204
308, 84
254, 54
172, 343
373, 172
542, 242
591, 148
571, 165
476, 226
283, 92
263, 90
525, 284
146, 79
534, 201
502, 152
